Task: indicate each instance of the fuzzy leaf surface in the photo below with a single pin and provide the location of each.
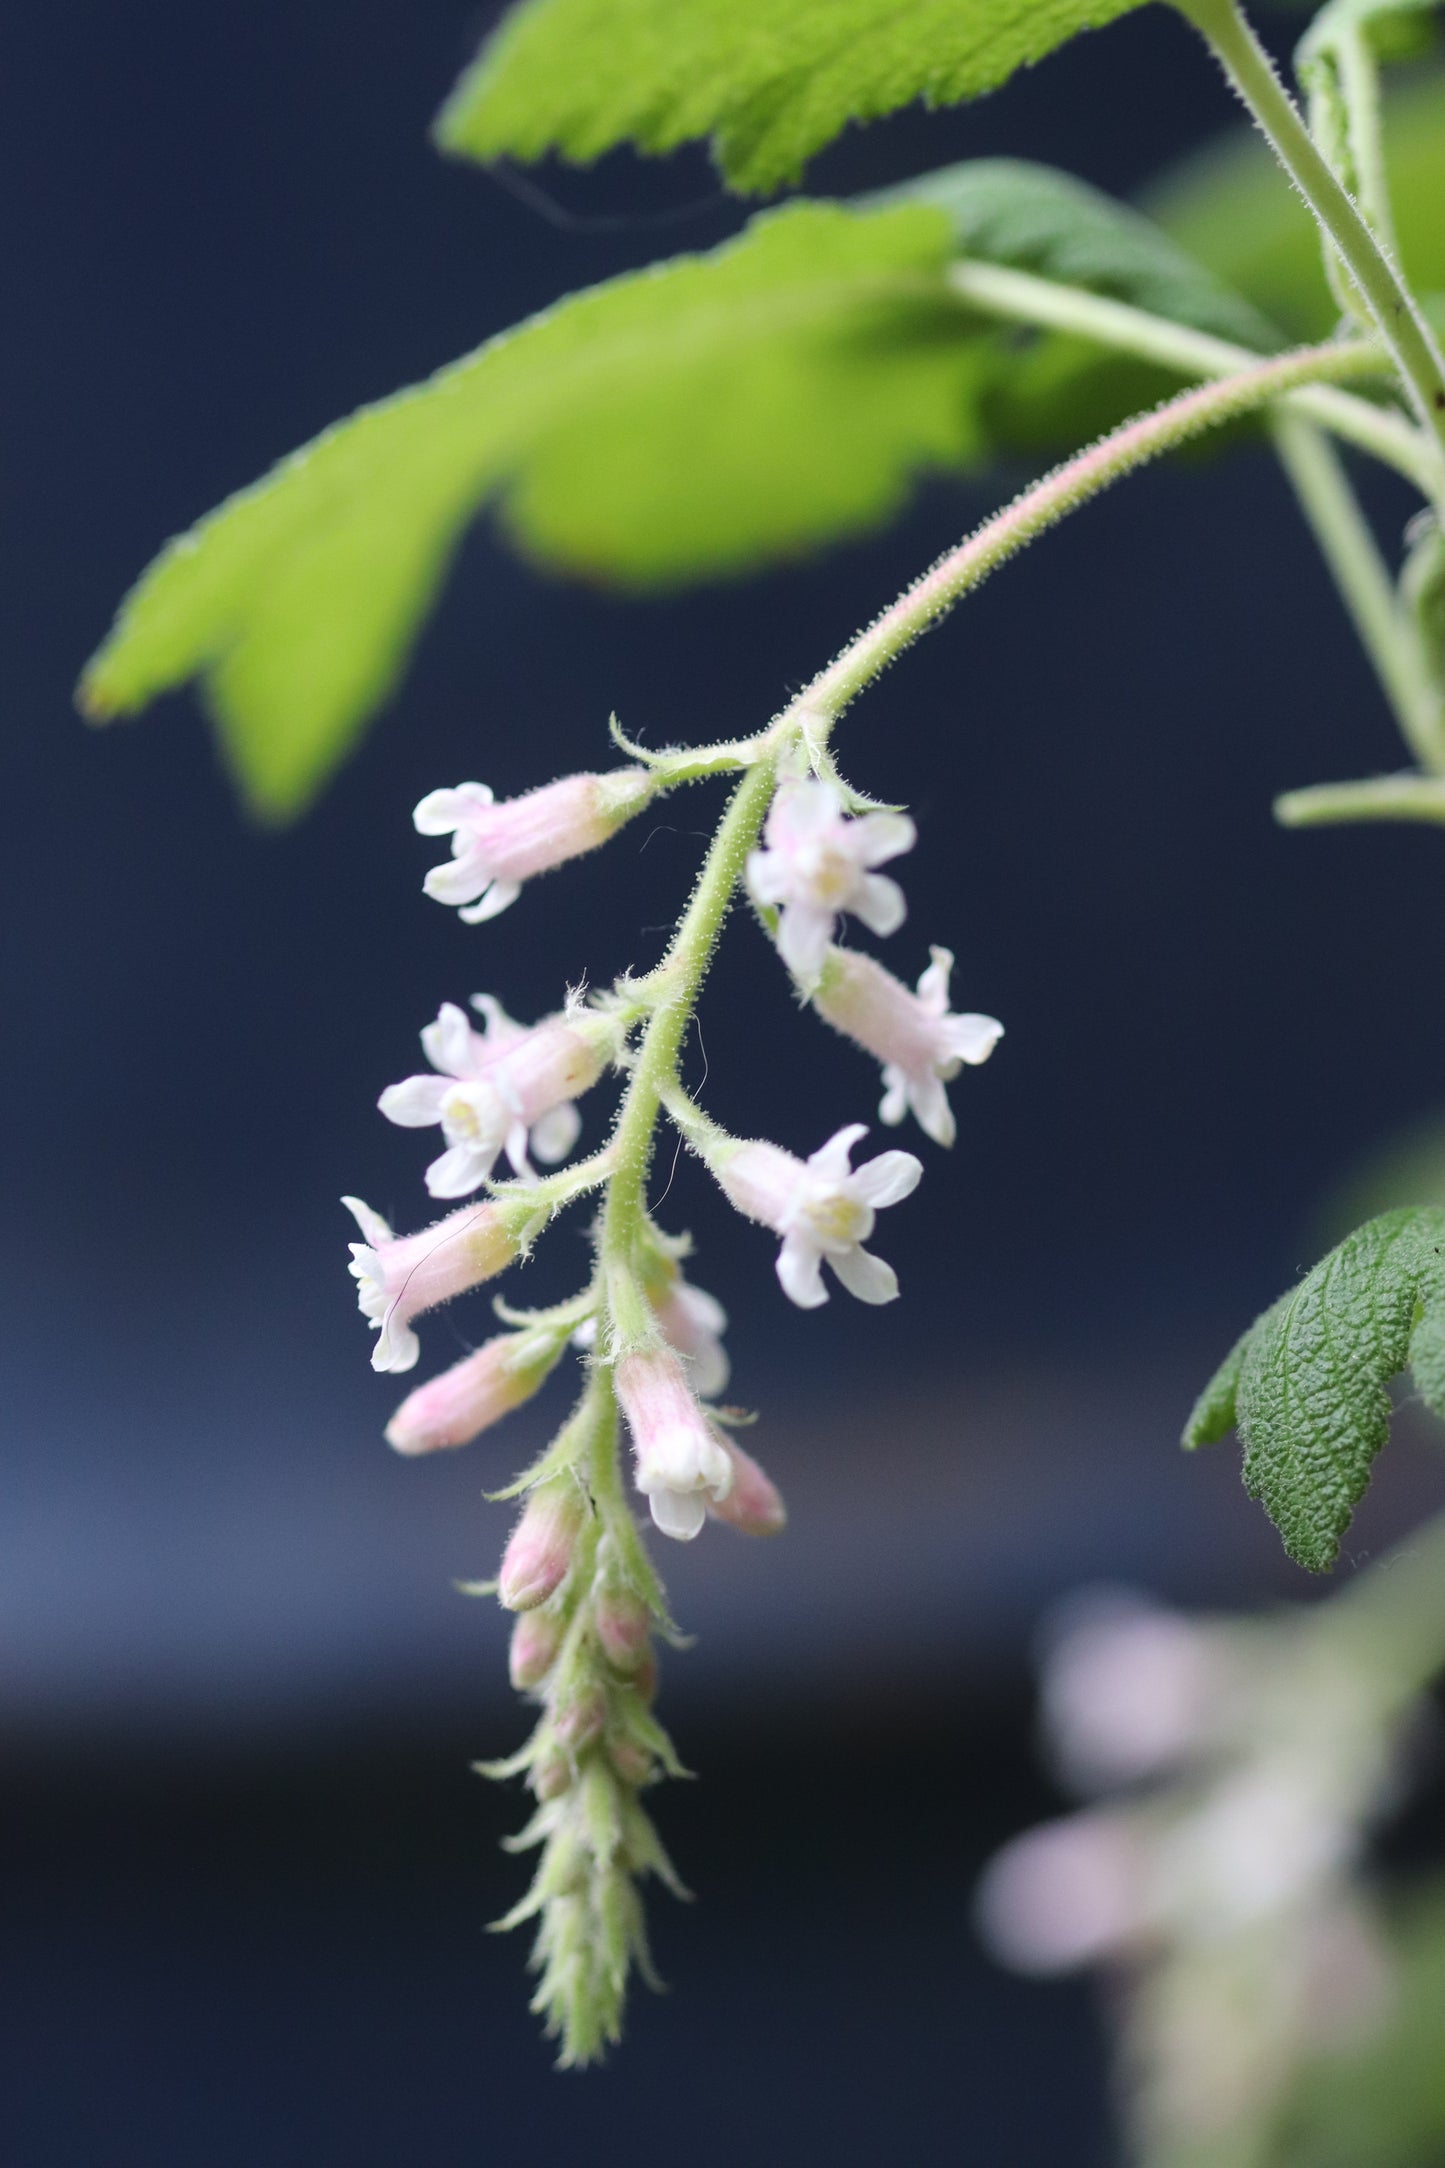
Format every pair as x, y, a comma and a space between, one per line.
686, 420
1306, 1386
769, 81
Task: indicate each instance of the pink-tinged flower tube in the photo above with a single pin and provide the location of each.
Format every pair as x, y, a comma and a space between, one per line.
920, 1044
692, 1322
507, 1088
496, 847
475, 1393
754, 1505
540, 1549
399, 1276
815, 863
1066, 1894
536, 1638
680, 1463
823, 1208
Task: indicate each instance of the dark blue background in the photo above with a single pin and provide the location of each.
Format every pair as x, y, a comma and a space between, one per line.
248, 1868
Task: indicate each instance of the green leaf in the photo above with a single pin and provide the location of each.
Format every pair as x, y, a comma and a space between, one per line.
1035, 218
690, 419
1306, 1385
770, 81
1229, 208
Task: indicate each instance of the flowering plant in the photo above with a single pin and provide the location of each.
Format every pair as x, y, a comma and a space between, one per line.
839, 351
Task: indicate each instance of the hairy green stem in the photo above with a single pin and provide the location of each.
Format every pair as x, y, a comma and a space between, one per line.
1042, 506
1402, 324
1387, 632
678, 980
1024, 298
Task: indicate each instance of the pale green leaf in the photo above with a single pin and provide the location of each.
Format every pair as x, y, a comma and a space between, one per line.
691, 419
1231, 208
769, 81
1307, 1386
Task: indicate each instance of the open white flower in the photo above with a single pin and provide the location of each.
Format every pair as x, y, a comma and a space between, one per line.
823, 1208
920, 1044
510, 1088
680, 1463
399, 1276
816, 862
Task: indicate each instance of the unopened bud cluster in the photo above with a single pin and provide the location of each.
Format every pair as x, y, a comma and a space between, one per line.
508, 1099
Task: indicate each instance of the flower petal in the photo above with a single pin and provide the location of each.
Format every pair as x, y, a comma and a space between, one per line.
708, 1368
800, 1273
767, 876
372, 1225
804, 934
831, 1160
931, 1109
447, 1044
933, 986
865, 1275
416, 1102
397, 1347
495, 901
460, 1170
973, 1038
880, 903
886, 1180
456, 880
557, 1131
880, 836
679, 1514
440, 811
893, 1106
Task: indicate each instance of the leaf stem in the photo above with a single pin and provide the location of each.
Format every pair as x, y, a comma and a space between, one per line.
1040, 507
1390, 302
1022, 297
1386, 631
1406, 797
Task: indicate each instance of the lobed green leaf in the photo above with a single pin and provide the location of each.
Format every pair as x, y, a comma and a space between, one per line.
680, 421
1306, 1386
769, 83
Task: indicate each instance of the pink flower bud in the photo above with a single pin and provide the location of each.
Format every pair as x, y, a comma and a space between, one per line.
539, 1552
679, 1460
579, 1719
495, 848
536, 1638
400, 1276
624, 1626
1065, 1894
551, 1774
920, 1044
632, 1762
474, 1393
754, 1505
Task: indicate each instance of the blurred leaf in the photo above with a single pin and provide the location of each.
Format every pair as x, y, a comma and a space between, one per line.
1232, 209
1306, 1385
1035, 218
769, 83
1397, 29
1407, 1167
688, 419
1382, 2104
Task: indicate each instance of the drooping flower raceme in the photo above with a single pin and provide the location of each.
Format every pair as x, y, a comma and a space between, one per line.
817, 862
920, 1044
496, 847
823, 1208
508, 1088
680, 1462
399, 1276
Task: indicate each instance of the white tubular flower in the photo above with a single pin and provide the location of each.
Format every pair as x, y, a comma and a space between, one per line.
495, 848
397, 1277
920, 1044
816, 862
823, 1208
681, 1465
504, 1089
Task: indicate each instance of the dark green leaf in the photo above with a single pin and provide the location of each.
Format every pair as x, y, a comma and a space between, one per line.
694, 418
1306, 1387
770, 81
